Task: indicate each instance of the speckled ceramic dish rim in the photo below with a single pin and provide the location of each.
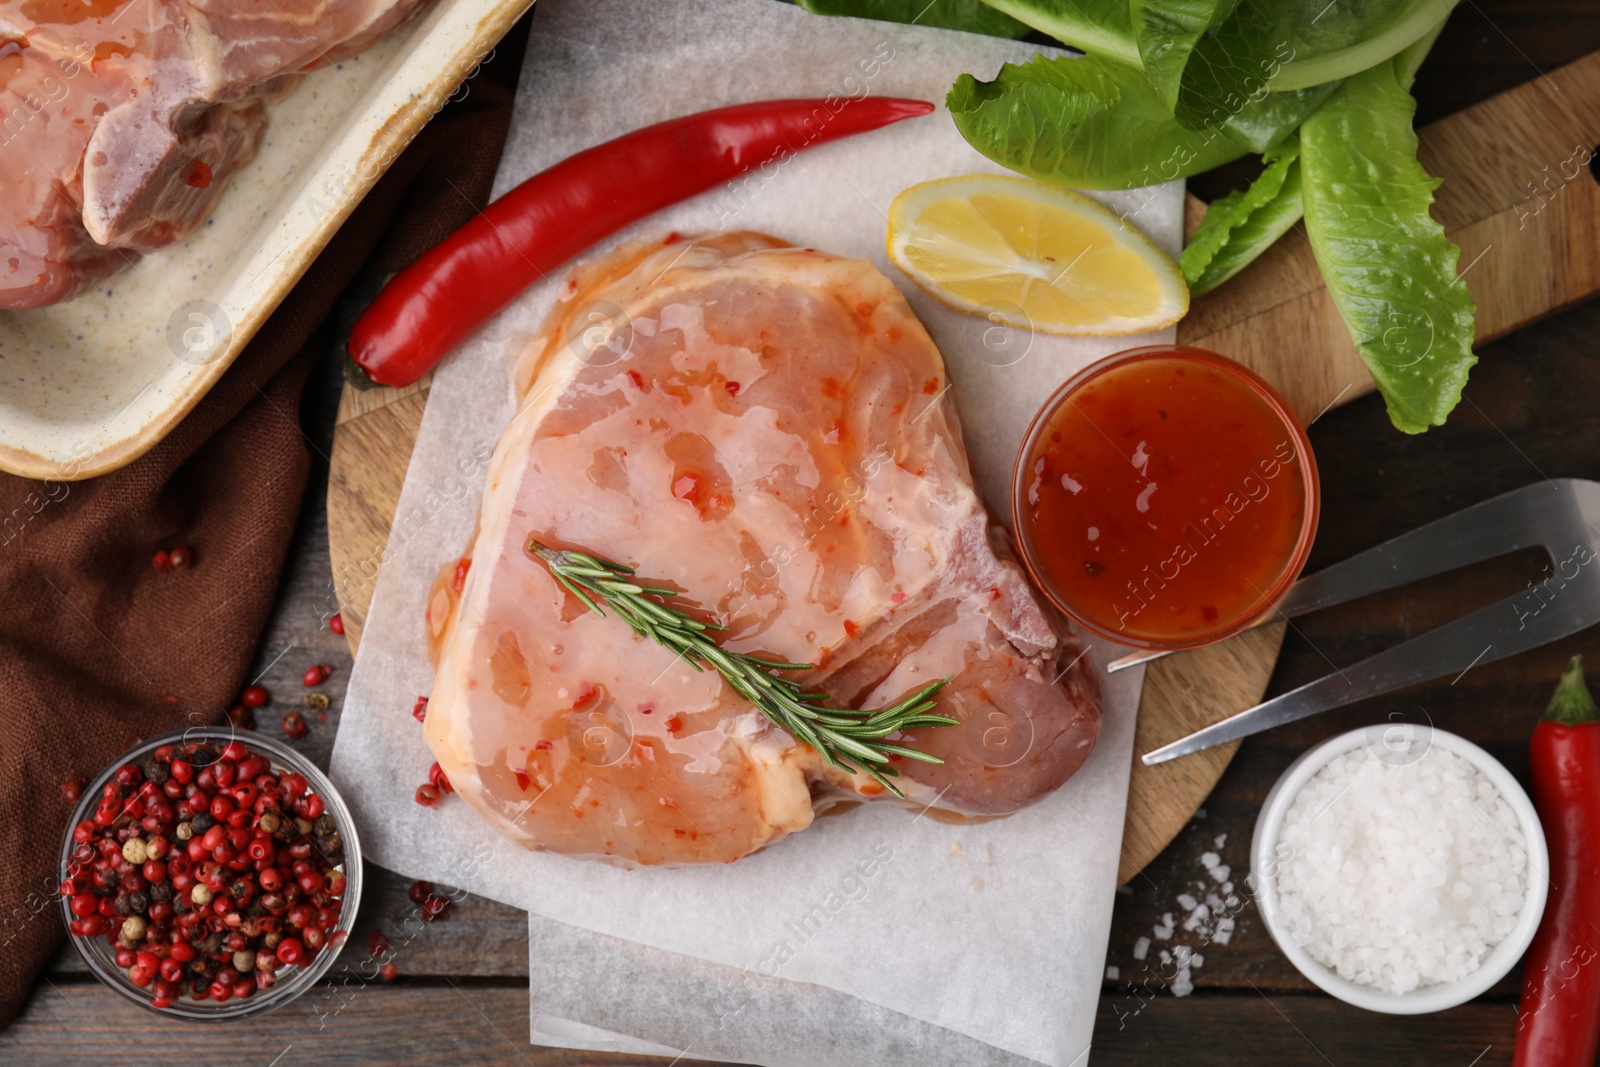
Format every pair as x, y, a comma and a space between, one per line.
440, 49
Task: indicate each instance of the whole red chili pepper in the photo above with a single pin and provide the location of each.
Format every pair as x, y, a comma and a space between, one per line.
1559, 1017
434, 304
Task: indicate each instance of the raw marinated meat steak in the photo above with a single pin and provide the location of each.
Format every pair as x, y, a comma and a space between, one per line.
120, 120
768, 428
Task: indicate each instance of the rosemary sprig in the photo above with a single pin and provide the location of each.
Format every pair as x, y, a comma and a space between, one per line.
848, 738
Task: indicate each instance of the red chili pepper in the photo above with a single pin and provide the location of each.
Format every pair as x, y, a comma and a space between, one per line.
434, 304
1559, 1017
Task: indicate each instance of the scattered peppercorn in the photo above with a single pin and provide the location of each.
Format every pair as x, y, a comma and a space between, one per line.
241, 717
435, 908
181, 558
437, 779
317, 701
336, 623
72, 788
377, 943
428, 796
316, 674
389, 972
294, 726
161, 563
254, 696
420, 710
420, 892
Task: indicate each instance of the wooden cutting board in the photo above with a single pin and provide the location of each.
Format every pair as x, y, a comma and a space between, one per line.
1519, 199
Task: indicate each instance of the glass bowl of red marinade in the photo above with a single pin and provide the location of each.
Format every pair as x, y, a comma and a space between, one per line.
1165, 497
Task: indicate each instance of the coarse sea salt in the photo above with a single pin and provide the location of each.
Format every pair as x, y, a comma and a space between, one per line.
1400, 875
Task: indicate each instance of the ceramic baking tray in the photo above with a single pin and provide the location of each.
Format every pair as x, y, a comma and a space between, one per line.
88, 385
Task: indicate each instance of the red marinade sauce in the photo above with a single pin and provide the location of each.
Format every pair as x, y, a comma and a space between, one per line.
1164, 501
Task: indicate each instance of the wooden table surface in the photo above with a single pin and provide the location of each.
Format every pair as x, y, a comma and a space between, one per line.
1532, 410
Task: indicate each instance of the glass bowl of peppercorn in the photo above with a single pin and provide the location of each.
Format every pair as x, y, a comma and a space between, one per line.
210, 874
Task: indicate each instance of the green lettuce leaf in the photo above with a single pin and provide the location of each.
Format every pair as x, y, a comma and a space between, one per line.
1333, 41
973, 16
1099, 27
1167, 32
1319, 41
1240, 226
1270, 117
1085, 122
1388, 264
1231, 66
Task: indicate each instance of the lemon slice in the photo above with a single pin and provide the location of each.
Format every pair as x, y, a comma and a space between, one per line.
1033, 256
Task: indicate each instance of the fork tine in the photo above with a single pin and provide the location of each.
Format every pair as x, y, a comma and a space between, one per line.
1495, 632
1521, 518
1506, 523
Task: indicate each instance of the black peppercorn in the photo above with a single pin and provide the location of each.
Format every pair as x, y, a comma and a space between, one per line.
138, 900
203, 822
324, 825
156, 771
123, 905
331, 845
161, 892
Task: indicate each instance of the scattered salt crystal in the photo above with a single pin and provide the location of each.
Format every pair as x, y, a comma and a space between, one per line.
1418, 874
1222, 839
1166, 957
1141, 948
1186, 902
1113, 973
1183, 981
1164, 928
1224, 931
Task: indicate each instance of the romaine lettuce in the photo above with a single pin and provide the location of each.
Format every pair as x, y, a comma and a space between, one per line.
973, 16
1388, 264
1240, 226
1167, 32
1082, 122
1099, 27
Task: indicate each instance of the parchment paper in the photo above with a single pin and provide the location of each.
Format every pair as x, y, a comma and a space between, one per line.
963, 936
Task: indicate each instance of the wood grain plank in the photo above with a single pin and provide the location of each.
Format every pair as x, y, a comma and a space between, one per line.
1262, 1027
403, 1024
371, 451
410, 1024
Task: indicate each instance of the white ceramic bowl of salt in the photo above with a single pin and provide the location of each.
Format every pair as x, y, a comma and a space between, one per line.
1376, 879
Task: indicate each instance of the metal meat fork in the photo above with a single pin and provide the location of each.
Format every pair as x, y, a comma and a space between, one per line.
1560, 516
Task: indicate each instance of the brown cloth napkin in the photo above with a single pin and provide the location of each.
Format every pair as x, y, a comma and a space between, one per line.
96, 648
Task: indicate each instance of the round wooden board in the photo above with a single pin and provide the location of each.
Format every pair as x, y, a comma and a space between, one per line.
372, 447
